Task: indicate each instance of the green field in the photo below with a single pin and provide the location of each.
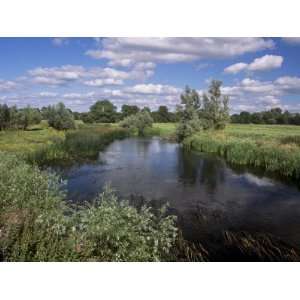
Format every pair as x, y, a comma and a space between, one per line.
274, 148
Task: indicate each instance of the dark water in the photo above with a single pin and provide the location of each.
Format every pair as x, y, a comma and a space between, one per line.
206, 193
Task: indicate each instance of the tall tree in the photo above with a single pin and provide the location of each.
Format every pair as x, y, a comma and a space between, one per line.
60, 117
103, 111
128, 110
189, 114
215, 107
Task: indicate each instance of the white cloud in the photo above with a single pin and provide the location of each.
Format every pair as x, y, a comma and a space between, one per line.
153, 89
56, 75
264, 63
289, 84
7, 85
236, 68
102, 82
102, 76
47, 94
267, 62
127, 51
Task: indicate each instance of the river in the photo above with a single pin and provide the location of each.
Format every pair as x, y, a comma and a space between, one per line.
206, 193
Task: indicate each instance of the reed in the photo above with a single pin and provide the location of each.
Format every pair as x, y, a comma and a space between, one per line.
78, 145
278, 155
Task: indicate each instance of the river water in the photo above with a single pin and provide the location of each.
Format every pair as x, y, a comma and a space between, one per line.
206, 193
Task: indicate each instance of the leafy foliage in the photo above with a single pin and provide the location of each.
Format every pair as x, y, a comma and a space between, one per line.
138, 122
272, 116
189, 111
215, 107
128, 110
36, 224
11, 117
103, 111
60, 117
214, 113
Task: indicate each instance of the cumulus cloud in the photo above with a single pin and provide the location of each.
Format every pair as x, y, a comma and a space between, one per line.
7, 85
102, 82
153, 89
101, 76
127, 51
255, 95
289, 84
56, 75
48, 94
264, 63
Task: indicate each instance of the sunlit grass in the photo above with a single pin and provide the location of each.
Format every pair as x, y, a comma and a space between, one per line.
272, 147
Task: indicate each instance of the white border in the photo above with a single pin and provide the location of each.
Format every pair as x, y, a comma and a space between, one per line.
58, 281
149, 18
143, 281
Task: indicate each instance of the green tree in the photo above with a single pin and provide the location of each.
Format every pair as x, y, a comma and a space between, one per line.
188, 111
4, 117
27, 116
128, 110
103, 111
60, 117
215, 107
162, 115
138, 122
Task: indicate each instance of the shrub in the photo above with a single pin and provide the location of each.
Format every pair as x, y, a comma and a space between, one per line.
60, 118
138, 122
37, 224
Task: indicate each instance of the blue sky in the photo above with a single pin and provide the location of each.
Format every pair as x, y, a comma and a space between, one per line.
257, 73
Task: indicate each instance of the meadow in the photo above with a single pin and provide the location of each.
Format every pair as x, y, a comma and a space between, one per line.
275, 148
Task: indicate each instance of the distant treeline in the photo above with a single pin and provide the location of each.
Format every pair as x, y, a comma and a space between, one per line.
61, 117
105, 112
273, 116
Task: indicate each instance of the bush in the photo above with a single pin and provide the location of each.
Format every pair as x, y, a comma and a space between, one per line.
138, 122
37, 224
60, 118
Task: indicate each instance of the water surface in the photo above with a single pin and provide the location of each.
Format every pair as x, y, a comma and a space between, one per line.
205, 193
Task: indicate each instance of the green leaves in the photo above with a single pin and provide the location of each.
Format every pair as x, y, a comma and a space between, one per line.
138, 122
36, 224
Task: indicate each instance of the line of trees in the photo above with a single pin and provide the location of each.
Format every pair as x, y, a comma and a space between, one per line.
58, 117
272, 116
105, 112
12, 117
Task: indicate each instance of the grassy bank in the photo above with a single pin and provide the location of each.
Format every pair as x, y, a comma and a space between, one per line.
43, 145
272, 147
76, 146
164, 130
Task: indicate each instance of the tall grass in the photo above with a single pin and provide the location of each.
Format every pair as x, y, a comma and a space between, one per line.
78, 145
275, 155
37, 223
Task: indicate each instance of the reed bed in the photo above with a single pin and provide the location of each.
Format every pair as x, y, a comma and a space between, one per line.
280, 153
78, 145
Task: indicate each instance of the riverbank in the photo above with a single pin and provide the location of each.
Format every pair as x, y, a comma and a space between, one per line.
43, 145
273, 148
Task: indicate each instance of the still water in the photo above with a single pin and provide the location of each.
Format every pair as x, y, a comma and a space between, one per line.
206, 194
